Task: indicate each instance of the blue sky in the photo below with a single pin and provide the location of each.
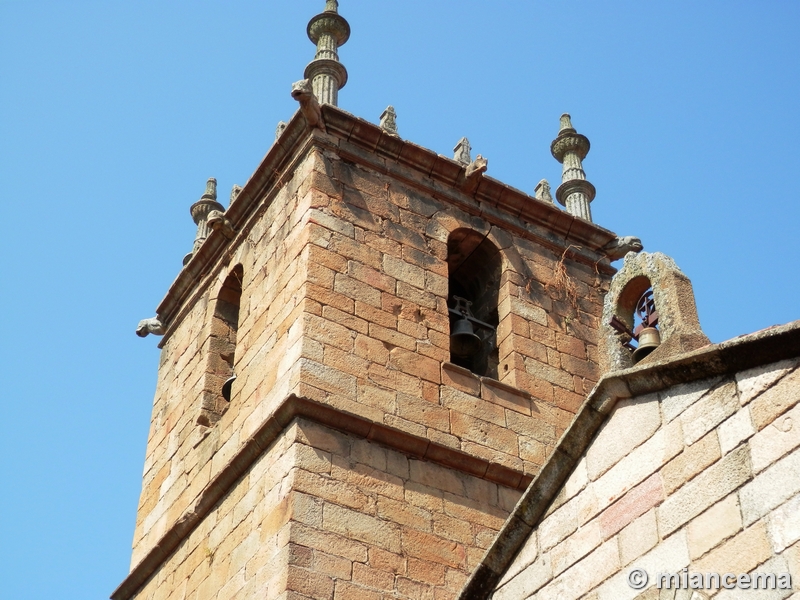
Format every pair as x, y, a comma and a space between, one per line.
113, 115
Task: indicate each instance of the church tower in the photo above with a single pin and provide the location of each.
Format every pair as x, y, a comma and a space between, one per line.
366, 357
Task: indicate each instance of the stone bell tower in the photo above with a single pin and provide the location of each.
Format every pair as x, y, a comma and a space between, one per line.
366, 357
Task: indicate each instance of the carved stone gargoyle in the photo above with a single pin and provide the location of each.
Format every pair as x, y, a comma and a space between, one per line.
309, 106
217, 221
151, 325
620, 246
472, 175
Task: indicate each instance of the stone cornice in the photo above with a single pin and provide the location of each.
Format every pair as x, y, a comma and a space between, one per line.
365, 143
290, 409
741, 353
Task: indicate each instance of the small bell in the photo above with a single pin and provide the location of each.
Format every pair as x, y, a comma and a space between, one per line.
226, 388
463, 341
649, 340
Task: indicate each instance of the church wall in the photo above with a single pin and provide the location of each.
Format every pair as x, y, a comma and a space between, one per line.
377, 331
703, 476
182, 455
344, 302
322, 514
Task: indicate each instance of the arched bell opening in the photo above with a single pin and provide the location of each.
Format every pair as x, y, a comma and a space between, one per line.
636, 319
474, 268
220, 382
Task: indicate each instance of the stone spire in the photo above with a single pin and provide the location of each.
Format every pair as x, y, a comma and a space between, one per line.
328, 31
200, 210
570, 148
542, 191
389, 120
462, 152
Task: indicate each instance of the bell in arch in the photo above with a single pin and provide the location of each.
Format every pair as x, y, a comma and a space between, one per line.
463, 340
227, 387
649, 340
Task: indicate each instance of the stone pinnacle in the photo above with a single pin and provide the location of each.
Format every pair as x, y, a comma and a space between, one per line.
328, 30
570, 148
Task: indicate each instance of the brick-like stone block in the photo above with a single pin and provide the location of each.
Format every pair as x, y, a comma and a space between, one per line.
706, 489
432, 548
735, 430
362, 527
638, 537
739, 554
775, 440
693, 460
680, 397
636, 502
718, 523
771, 488
632, 422
776, 400
754, 381
709, 411
461, 379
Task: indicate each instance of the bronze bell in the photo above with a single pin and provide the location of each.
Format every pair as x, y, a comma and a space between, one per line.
649, 340
463, 341
226, 388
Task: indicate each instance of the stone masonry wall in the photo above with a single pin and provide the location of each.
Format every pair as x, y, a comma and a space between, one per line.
376, 330
704, 476
324, 515
182, 455
344, 302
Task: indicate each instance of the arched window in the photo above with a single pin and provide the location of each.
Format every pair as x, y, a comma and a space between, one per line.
219, 382
474, 268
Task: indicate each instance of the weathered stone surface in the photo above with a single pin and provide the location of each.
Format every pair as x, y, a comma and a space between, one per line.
632, 422
678, 323
784, 524
776, 439
669, 556
735, 430
740, 554
711, 485
718, 523
693, 460
678, 398
708, 412
532, 578
770, 488
754, 381
638, 537
776, 400
638, 465
584, 575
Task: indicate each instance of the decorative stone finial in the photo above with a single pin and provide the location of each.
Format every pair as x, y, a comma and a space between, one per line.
570, 148
200, 210
328, 30
280, 129
235, 190
542, 192
566, 123
462, 152
389, 120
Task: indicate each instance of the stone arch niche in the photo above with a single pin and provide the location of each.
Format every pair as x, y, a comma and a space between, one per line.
221, 347
678, 324
474, 268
